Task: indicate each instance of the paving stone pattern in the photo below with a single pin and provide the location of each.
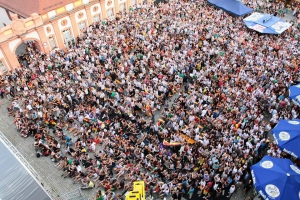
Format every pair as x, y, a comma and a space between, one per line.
59, 188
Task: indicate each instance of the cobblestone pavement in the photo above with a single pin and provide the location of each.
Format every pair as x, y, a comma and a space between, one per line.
58, 187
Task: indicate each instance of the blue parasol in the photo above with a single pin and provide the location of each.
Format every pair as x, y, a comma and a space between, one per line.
276, 179
265, 23
287, 136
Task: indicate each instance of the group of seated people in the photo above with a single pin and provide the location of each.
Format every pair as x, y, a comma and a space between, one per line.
180, 95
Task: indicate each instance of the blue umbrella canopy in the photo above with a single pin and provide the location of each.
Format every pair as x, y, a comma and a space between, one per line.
265, 23
294, 94
234, 7
287, 136
276, 179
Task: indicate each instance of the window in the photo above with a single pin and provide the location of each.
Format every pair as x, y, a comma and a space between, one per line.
52, 14
85, 1
67, 35
96, 18
52, 42
70, 7
122, 7
110, 13
82, 25
2, 67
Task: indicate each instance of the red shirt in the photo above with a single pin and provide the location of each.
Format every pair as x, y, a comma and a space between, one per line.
107, 187
221, 83
249, 89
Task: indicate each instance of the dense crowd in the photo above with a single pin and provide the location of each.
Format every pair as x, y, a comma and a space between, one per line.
182, 72
279, 8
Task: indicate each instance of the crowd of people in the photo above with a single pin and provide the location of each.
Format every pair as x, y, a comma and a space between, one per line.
276, 8
181, 72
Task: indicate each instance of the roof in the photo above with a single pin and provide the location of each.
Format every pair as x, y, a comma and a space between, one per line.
26, 7
15, 174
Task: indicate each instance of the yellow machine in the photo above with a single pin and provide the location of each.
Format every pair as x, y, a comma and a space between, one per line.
138, 192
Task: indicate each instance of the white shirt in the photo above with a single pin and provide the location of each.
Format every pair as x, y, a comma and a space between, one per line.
78, 168
80, 118
29, 107
232, 188
216, 186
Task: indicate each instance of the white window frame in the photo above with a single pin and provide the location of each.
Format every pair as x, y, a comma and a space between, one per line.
96, 18
2, 67
66, 37
112, 13
80, 25
52, 14
52, 42
124, 8
70, 7
85, 1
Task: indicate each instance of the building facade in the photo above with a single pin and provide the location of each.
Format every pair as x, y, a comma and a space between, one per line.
5, 17
54, 29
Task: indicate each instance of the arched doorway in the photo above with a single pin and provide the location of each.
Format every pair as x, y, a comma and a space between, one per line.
26, 50
25, 47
